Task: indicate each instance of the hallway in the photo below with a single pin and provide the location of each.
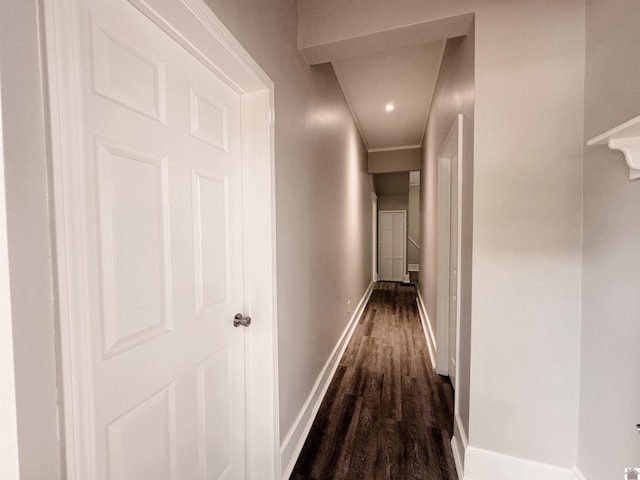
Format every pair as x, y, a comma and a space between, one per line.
386, 414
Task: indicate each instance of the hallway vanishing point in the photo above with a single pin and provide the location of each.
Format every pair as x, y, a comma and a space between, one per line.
386, 414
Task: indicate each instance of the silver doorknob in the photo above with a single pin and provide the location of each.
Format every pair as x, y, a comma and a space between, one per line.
240, 319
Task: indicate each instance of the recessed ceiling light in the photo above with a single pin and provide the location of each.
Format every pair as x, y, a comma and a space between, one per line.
389, 107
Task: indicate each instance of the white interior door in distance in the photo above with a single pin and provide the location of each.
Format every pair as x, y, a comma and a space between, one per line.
392, 245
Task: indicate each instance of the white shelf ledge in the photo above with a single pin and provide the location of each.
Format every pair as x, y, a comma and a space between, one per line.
626, 138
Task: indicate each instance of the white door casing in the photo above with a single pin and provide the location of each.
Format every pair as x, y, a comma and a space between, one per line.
453, 269
392, 245
374, 237
448, 252
9, 461
149, 131
443, 259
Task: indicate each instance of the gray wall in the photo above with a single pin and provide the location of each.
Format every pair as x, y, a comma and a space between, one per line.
323, 197
453, 95
393, 202
404, 160
610, 391
29, 242
391, 183
527, 229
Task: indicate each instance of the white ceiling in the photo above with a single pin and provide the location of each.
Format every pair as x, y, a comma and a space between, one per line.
404, 77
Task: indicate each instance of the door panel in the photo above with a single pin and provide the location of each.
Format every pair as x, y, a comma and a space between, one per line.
125, 75
164, 249
386, 246
142, 442
398, 269
211, 240
214, 408
135, 244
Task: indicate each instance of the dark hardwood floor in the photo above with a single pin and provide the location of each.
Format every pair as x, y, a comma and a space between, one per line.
386, 414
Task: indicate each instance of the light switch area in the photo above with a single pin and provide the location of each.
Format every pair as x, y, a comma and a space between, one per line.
349, 306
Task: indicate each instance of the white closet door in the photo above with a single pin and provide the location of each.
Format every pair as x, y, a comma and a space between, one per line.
392, 245
164, 254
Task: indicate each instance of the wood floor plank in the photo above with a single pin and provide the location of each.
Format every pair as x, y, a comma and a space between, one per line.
387, 415
344, 459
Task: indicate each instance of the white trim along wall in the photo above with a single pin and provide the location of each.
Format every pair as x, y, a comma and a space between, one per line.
193, 25
428, 329
485, 465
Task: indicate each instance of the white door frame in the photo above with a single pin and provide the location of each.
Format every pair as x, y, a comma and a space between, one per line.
192, 24
9, 461
374, 237
451, 146
405, 274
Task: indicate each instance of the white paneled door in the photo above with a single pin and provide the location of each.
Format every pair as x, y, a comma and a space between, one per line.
164, 250
392, 244
449, 251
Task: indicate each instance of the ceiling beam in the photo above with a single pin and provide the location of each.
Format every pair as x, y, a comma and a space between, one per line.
401, 160
387, 40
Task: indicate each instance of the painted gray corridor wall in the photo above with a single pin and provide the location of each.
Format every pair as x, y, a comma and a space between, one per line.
610, 391
323, 196
454, 94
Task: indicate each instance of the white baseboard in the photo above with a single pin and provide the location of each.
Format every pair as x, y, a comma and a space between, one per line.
579, 474
294, 441
459, 445
414, 267
485, 465
457, 458
428, 331
406, 278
